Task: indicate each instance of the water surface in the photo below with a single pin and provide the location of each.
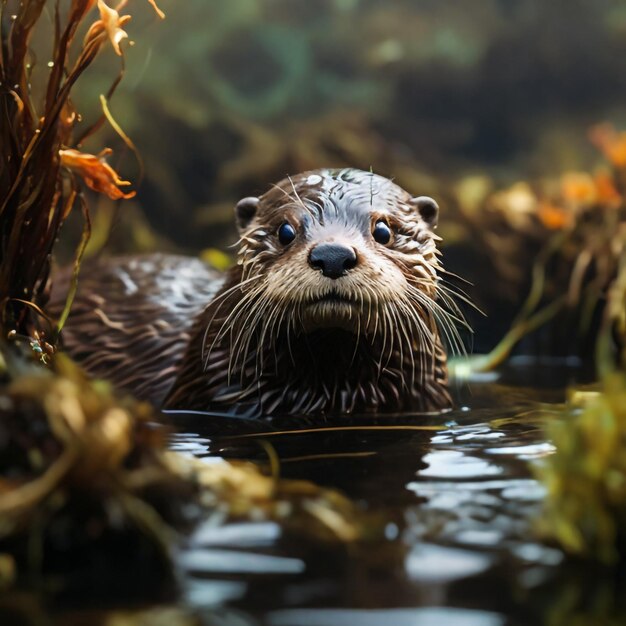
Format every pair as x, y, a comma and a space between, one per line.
459, 500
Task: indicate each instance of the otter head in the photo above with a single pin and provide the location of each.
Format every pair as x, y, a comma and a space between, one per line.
341, 249
333, 306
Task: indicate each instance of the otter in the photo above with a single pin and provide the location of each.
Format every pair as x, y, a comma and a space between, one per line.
335, 306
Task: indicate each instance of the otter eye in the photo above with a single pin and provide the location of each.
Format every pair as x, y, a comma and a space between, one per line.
381, 233
286, 233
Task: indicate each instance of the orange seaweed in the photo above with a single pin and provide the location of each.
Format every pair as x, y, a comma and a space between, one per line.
96, 172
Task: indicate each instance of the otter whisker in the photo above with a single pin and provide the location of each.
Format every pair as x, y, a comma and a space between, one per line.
243, 342
273, 327
456, 293
290, 322
259, 361
356, 343
454, 313
269, 323
391, 335
295, 193
408, 334
447, 328
230, 323
220, 300
409, 329
397, 327
231, 326
445, 320
256, 329
424, 334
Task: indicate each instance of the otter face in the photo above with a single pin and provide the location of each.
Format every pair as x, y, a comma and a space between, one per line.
340, 249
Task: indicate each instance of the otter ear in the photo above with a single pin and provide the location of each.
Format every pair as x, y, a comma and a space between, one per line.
245, 210
428, 209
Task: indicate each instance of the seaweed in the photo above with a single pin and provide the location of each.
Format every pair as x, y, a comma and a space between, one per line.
585, 509
83, 467
577, 225
85, 471
42, 164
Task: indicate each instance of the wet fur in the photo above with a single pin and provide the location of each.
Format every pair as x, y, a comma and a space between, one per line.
261, 348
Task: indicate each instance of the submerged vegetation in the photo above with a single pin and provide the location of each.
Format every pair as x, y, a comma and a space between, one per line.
82, 465
586, 476
72, 450
577, 227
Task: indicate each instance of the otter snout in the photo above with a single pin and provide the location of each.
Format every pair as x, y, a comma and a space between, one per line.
334, 259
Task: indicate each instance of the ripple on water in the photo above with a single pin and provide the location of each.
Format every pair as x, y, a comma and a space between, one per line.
466, 497
456, 464
243, 534
438, 564
209, 561
200, 595
189, 443
525, 452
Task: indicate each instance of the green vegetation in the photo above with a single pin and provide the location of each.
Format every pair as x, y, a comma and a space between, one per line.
585, 509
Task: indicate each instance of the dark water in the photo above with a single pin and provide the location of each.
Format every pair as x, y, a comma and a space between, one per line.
459, 499
453, 501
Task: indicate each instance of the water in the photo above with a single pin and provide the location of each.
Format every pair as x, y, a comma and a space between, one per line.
458, 497
454, 500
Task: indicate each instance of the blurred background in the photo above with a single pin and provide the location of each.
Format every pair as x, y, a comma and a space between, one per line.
490, 106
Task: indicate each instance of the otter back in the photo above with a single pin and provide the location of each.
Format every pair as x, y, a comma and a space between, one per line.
131, 319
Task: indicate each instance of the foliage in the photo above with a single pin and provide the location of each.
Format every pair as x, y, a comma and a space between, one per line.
576, 226
40, 169
63, 434
586, 477
585, 508
81, 464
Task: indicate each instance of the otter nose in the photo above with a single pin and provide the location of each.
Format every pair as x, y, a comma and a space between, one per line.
334, 259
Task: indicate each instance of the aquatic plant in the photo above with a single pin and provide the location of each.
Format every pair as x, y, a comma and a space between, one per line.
586, 477
82, 464
76, 456
585, 509
42, 164
575, 226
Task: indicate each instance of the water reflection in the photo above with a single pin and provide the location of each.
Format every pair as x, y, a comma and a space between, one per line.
431, 563
457, 493
456, 490
455, 464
